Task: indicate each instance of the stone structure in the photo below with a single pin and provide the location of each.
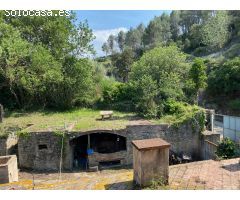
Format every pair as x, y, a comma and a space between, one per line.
209, 143
8, 145
42, 150
8, 169
150, 161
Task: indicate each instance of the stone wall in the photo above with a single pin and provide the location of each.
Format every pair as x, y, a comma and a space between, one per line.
183, 139
8, 145
3, 149
40, 151
96, 157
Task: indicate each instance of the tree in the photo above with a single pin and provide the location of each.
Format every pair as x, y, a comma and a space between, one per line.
158, 31
225, 79
167, 68
134, 39
215, 31
111, 44
123, 63
57, 33
41, 61
174, 24
13, 61
105, 48
121, 40
198, 76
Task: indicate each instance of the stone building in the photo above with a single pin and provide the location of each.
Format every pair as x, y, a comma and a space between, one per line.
42, 150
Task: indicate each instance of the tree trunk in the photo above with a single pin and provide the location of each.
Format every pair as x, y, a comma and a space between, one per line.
15, 96
1, 113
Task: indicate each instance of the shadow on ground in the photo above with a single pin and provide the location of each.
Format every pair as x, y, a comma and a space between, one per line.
125, 185
232, 167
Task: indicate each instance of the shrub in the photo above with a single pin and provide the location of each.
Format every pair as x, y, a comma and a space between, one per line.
226, 149
174, 107
234, 104
118, 96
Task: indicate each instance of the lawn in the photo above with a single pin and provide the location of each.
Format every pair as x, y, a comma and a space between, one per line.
83, 119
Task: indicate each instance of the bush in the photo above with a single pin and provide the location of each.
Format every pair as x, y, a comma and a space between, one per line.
226, 149
118, 96
225, 79
174, 107
234, 104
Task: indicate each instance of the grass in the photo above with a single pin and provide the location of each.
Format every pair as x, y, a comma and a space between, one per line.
178, 118
83, 119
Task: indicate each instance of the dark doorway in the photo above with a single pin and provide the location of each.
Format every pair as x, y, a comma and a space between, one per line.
107, 142
80, 158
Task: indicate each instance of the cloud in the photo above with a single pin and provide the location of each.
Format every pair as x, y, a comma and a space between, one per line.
102, 36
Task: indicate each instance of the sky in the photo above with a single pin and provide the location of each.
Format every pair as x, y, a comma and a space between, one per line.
106, 22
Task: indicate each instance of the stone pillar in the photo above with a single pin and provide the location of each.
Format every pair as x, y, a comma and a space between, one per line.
150, 161
1, 113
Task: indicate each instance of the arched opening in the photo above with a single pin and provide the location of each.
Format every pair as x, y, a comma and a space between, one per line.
107, 142
95, 144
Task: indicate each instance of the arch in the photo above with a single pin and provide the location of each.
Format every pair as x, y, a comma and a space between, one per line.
99, 141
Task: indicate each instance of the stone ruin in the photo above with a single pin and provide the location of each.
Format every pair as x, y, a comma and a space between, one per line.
8, 169
102, 148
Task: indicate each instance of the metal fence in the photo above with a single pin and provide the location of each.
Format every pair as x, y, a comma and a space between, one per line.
228, 126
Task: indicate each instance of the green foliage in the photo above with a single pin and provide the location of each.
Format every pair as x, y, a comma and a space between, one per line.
3, 133
23, 134
40, 62
234, 104
198, 75
123, 63
225, 79
133, 38
215, 31
159, 75
174, 107
121, 40
158, 31
177, 113
118, 96
147, 91
157, 184
226, 149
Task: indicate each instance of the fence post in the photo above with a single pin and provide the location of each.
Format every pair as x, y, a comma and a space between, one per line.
212, 122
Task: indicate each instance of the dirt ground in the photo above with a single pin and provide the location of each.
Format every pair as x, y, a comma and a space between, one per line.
200, 175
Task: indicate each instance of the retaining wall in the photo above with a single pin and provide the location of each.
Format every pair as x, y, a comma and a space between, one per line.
42, 150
